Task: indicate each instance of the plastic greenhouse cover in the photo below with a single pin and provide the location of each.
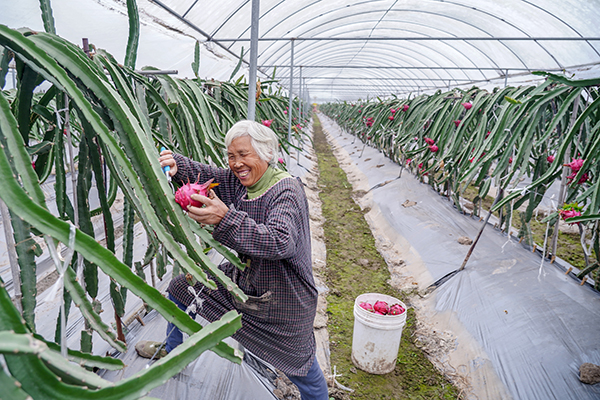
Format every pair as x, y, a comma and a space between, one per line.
411, 65
523, 328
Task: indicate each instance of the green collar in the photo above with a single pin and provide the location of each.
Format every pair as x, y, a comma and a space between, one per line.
269, 178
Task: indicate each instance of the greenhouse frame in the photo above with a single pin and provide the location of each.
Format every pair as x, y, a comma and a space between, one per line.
469, 136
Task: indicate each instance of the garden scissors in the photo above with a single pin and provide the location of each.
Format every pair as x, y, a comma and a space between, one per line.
167, 169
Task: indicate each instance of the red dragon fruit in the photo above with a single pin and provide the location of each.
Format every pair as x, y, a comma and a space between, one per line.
381, 307
183, 194
396, 309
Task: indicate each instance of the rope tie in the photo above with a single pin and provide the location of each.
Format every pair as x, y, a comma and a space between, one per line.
59, 286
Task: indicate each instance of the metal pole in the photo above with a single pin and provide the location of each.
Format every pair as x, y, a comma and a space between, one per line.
291, 94
300, 96
505, 78
253, 60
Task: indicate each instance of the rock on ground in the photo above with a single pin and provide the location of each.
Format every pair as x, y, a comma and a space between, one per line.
589, 373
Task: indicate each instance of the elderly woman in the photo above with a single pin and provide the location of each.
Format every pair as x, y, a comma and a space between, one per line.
261, 212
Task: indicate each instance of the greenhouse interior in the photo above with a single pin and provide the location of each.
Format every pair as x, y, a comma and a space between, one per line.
429, 202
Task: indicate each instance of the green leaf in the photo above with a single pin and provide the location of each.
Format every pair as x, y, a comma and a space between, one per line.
564, 80
11, 389
47, 16
134, 34
196, 62
239, 64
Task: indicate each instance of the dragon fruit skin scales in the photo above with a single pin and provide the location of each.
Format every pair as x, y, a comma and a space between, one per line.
182, 196
381, 307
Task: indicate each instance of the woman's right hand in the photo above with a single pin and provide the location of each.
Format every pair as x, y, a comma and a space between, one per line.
166, 160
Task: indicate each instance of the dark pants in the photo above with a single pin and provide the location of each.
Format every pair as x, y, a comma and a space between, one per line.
174, 335
312, 386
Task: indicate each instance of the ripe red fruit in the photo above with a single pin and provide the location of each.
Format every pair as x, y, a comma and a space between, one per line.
184, 193
381, 307
396, 309
433, 148
429, 141
467, 105
457, 122
391, 118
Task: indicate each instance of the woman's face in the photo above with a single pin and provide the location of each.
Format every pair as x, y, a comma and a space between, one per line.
245, 162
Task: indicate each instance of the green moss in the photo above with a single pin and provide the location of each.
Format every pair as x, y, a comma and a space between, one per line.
354, 266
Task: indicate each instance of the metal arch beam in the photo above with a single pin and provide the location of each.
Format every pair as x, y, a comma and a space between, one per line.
279, 78
435, 50
510, 24
563, 22
388, 61
419, 38
408, 10
425, 68
428, 60
196, 28
363, 57
492, 61
392, 60
242, 5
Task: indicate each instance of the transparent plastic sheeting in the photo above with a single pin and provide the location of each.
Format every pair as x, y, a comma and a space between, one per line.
207, 377
106, 25
170, 28
536, 326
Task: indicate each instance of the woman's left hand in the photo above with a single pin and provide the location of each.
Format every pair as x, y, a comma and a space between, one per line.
212, 213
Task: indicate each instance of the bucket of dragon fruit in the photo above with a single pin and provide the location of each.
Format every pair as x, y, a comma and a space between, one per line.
378, 323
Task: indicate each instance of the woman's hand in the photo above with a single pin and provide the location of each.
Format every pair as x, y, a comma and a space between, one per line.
166, 160
212, 213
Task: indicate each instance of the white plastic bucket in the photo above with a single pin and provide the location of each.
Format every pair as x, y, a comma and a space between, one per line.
376, 337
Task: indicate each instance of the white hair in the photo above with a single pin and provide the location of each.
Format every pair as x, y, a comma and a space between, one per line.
263, 139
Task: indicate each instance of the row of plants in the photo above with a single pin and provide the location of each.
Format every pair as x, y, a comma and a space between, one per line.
100, 123
460, 139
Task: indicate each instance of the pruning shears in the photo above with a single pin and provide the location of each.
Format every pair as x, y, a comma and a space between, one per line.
167, 169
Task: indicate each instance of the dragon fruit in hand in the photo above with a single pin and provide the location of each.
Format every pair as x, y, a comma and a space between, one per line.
183, 194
